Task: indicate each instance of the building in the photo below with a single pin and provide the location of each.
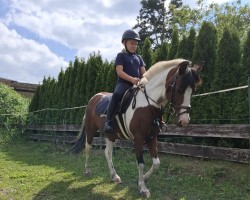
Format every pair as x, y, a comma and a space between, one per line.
25, 89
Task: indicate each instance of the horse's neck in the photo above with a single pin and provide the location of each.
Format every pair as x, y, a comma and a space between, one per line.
156, 86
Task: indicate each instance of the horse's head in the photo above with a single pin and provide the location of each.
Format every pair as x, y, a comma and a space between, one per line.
180, 85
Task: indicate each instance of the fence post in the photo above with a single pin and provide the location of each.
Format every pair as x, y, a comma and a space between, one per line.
249, 99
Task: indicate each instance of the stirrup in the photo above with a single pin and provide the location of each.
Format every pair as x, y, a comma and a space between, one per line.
108, 128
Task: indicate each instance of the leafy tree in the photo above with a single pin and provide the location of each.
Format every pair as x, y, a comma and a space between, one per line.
13, 110
183, 17
232, 15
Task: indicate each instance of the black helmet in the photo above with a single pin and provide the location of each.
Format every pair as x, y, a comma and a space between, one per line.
130, 34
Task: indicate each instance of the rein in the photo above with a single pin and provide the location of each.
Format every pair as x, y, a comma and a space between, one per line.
172, 108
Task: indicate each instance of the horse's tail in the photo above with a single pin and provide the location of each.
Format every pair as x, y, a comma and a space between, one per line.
79, 143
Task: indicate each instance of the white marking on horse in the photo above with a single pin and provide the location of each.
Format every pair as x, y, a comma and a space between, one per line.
184, 118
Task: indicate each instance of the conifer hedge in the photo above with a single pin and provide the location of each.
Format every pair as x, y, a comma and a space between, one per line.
227, 65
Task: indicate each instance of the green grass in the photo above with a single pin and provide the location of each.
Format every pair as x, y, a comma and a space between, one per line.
33, 170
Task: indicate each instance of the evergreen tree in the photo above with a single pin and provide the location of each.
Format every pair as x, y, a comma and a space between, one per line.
173, 45
205, 50
112, 78
66, 93
245, 69
226, 76
161, 53
78, 94
147, 53
182, 51
105, 76
94, 64
151, 22
241, 98
59, 96
191, 43
34, 104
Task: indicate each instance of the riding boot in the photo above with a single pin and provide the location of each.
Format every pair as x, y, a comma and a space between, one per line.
108, 128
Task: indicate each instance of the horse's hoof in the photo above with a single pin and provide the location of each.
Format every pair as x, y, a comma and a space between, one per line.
88, 174
145, 194
117, 180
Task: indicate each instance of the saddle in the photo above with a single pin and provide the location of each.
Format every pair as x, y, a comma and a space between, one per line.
102, 106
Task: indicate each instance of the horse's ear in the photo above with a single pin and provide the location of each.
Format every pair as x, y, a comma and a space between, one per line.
182, 67
198, 66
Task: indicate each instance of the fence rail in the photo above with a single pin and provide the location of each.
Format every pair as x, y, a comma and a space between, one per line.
201, 151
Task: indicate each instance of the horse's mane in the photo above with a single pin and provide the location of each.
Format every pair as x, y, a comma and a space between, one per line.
161, 66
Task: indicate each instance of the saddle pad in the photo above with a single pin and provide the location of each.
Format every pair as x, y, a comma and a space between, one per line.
101, 107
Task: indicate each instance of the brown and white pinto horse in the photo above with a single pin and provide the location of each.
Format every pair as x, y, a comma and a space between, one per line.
165, 82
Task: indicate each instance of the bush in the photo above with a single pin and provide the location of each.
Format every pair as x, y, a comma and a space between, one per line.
13, 111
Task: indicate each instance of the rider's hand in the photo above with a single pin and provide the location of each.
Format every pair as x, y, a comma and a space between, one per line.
135, 80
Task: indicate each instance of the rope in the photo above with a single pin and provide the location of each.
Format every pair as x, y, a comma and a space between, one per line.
220, 91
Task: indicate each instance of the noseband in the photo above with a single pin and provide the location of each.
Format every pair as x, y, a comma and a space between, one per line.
172, 107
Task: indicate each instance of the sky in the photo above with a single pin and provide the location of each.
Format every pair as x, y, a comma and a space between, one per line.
39, 38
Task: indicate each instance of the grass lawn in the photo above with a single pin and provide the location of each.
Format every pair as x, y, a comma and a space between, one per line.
33, 170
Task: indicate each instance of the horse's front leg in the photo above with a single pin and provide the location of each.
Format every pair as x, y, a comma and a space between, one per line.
152, 146
108, 153
140, 165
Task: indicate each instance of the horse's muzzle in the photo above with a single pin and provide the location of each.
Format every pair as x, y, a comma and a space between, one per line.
182, 120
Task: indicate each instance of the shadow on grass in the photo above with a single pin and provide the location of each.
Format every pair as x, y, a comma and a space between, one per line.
63, 190
75, 185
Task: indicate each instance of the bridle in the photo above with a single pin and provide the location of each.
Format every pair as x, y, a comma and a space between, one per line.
172, 108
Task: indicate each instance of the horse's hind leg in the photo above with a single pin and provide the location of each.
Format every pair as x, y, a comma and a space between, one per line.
108, 154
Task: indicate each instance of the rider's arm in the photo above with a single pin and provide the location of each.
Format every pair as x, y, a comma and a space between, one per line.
125, 76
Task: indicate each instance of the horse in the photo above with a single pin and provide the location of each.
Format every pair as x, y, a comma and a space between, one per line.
166, 82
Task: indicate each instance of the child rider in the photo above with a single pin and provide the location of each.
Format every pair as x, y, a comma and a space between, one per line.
129, 67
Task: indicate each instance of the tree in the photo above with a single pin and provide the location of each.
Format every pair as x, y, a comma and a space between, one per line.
151, 21
232, 15
226, 75
241, 108
191, 43
245, 68
154, 21
94, 64
173, 45
182, 51
205, 50
147, 53
161, 53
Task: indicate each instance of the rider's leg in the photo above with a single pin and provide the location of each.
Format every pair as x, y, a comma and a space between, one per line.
116, 98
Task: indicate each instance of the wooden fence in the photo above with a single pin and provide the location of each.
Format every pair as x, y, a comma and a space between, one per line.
201, 151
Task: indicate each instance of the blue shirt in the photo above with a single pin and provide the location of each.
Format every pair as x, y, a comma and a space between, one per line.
131, 63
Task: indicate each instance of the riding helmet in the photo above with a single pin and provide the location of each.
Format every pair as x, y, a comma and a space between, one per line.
130, 34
